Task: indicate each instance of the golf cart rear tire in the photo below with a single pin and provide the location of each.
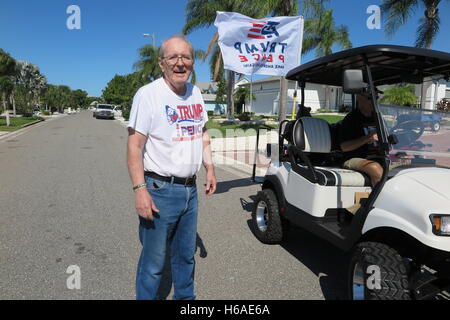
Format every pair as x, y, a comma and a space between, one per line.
393, 280
273, 232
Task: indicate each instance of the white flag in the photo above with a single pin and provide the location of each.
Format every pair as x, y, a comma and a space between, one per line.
270, 46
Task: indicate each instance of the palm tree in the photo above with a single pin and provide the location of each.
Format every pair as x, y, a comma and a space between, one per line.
242, 95
7, 64
6, 87
147, 65
7, 68
28, 77
402, 95
198, 55
321, 34
397, 13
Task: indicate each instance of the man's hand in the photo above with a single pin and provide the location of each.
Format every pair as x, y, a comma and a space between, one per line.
211, 182
144, 204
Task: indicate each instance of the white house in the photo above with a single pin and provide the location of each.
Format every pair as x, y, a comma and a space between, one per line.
267, 90
209, 90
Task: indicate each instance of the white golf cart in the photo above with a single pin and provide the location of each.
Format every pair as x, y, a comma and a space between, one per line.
399, 238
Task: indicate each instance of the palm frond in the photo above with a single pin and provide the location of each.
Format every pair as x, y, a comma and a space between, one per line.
396, 13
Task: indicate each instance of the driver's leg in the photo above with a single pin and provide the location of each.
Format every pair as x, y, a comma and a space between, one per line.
373, 169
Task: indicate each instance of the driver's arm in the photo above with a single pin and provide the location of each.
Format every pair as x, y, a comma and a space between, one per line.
358, 142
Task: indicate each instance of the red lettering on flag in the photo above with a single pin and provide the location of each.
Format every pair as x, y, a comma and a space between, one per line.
243, 58
255, 36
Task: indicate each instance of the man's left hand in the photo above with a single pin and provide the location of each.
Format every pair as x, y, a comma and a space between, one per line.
211, 182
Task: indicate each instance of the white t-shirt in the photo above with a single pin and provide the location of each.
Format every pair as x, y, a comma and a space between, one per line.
173, 125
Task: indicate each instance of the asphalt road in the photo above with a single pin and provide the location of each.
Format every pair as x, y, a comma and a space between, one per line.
66, 199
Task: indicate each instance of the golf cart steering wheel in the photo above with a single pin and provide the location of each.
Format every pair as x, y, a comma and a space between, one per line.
408, 131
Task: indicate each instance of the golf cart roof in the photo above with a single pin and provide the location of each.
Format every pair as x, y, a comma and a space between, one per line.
389, 64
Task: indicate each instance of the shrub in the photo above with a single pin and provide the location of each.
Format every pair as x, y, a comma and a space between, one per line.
345, 108
210, 113
245, 116
46, 113
444, 105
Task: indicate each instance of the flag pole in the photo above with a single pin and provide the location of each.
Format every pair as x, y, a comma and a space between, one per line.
299, 58
251, 91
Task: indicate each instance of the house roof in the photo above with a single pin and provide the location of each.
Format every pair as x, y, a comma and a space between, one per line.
203, 85
265, 80
209, 97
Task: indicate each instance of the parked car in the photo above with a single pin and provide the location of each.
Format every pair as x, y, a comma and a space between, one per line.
105, 111
432, 121
36, 112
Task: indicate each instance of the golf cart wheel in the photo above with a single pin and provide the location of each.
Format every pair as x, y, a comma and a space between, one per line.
267, 222
377, 272
436, 126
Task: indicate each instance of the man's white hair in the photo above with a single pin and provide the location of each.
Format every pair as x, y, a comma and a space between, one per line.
177, 36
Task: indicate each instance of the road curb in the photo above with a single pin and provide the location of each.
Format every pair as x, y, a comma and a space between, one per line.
7, 134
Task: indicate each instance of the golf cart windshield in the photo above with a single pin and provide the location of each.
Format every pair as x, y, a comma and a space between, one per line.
423, 137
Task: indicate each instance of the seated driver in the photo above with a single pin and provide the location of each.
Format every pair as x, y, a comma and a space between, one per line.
358, 139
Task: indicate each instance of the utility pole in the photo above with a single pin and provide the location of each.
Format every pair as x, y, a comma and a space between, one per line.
150, 35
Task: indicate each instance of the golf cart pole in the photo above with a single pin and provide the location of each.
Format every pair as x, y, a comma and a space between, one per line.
302, 101
254, 158
294, 103
378, 116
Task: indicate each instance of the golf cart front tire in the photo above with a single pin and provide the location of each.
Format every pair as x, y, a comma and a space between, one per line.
377, 272
267, 223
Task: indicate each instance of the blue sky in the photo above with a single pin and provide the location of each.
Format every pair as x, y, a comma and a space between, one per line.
111, 33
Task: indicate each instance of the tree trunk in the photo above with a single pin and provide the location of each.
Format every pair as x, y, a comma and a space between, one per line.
230, 89
13, 98
6, 110
327, 98
282, 101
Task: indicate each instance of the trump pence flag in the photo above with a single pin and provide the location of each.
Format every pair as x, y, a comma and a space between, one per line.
269, 46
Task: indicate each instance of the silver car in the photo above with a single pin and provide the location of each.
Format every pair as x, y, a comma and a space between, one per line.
104, 111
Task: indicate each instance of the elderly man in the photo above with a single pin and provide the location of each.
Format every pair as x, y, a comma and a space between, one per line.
359, 140
167, 144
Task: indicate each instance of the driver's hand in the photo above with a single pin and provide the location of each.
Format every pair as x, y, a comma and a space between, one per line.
372, 137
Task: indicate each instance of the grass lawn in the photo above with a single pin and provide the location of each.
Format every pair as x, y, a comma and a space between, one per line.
17, 123
224, 127
330, 118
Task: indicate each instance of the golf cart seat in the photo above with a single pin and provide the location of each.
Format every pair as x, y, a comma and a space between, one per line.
312, 136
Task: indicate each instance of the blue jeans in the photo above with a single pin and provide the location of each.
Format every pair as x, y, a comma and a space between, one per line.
174, 227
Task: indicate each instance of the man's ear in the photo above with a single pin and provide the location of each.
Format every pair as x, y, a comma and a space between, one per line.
160, 65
